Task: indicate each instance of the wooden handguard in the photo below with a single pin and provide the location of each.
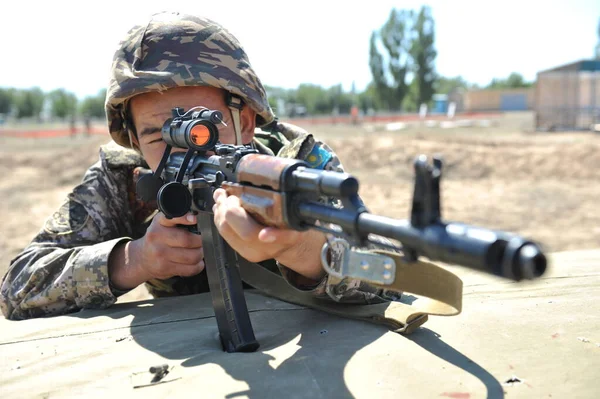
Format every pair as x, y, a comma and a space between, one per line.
265, 206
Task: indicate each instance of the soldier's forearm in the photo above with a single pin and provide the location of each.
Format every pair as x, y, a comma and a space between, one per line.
123, 266
305, 258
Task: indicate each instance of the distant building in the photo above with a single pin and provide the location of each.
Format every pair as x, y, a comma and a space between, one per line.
494, 100
568, 97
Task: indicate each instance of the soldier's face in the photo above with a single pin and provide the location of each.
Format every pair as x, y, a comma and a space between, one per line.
149, 112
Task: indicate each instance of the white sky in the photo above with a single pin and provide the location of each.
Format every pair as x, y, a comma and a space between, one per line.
70, 44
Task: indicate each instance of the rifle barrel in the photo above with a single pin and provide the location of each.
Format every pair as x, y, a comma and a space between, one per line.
494, 252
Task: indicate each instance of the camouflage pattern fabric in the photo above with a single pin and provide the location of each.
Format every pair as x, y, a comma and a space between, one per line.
174, 50
65, 267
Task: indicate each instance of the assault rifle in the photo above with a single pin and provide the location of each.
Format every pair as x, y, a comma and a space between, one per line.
285, 193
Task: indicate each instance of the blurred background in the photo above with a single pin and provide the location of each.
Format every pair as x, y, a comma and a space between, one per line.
508, 92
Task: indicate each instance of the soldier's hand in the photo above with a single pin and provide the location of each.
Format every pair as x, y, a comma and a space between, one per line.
299, 251
167, 250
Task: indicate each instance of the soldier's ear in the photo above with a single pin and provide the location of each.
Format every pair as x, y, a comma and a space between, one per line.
248, 121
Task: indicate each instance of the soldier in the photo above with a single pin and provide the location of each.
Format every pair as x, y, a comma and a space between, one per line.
87, 121
72, 126
103, 241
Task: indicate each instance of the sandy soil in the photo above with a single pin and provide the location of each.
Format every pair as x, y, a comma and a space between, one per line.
544, 186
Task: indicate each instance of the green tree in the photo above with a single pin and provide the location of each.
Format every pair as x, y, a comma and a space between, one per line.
29, 102
389, 71
423, 54
339, 100
318, 100
515, 80
380, 87
93, 106
63, 103
368, 99
7, 100
411, 101
273, 104
274, 94
445, 85
313, 97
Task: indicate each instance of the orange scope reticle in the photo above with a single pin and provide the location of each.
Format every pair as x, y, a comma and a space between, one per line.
200, 135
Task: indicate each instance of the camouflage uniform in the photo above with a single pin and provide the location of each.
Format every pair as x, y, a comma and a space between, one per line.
65, 267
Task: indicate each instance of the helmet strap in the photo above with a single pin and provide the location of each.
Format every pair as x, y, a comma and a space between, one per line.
129, 127
235, 104
133, 143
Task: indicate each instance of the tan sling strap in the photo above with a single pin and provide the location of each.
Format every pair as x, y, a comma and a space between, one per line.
442, 291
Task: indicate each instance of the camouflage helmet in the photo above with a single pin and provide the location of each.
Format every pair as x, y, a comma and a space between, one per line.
175, 49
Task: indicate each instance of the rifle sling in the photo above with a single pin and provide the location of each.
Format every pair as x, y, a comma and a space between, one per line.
442, 292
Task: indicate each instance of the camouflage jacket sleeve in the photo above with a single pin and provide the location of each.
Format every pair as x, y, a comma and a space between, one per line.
319, 155
64, 268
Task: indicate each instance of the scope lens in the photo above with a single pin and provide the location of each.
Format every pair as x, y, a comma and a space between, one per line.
200, 135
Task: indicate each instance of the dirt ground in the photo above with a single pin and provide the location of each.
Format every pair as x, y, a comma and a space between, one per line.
500, 175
